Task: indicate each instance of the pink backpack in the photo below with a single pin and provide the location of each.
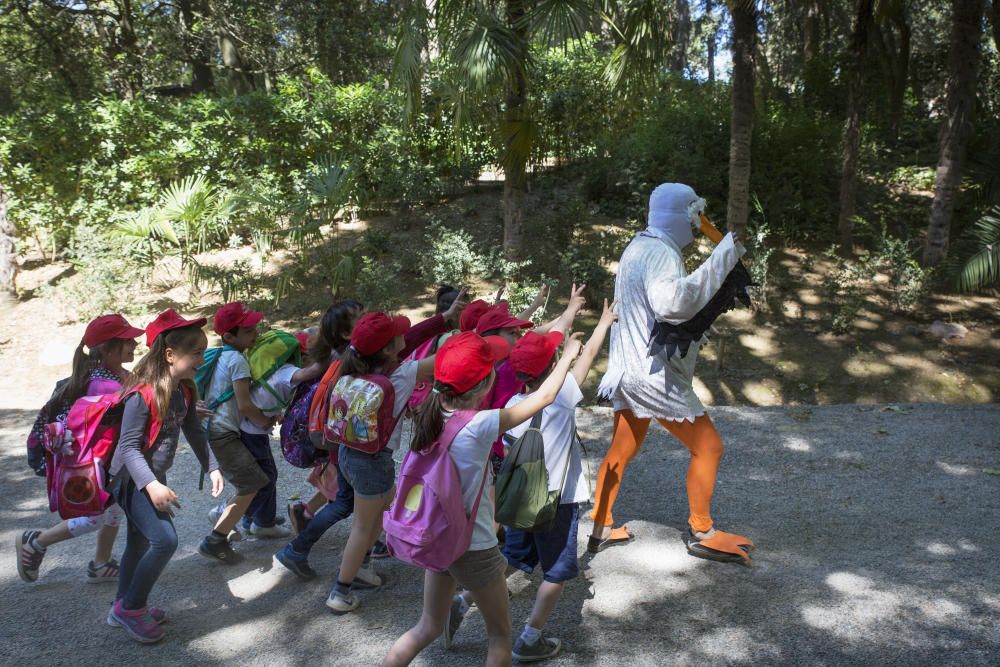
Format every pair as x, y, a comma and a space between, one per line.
361, 413
80, 451
427, 525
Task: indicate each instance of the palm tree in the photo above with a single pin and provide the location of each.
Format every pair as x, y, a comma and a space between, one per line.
963, 61
487, 45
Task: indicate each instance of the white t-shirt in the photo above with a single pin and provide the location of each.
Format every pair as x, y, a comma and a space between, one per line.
281, 382
469, 451
559, 434
232, 366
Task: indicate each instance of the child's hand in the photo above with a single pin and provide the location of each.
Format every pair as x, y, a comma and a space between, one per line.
162, 497
217, 483
454, 311
498, 298
201, 409
539, 299
573, 346
609, 315
576, 300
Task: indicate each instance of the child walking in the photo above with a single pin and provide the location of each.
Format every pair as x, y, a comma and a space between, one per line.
160, 404
463, 374
240, 464
110, 343
533, 359
375, 345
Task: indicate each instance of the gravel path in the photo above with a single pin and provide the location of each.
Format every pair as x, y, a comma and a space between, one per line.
877, 536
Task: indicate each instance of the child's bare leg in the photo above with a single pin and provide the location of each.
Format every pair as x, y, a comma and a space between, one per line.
545, 601
495, 609
316, 502
234, 511
105, 543
438, 589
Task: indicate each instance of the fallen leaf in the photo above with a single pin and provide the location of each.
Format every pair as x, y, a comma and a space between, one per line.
294, 496
992, 471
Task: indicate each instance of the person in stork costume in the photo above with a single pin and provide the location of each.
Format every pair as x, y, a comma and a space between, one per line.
663, 314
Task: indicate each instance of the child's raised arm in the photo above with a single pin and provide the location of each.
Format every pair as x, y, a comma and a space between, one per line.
241, 389
535, 304
564, 322
538, 400
593, 347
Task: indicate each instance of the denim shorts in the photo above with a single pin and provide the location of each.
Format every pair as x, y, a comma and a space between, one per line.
371, 475
555, 549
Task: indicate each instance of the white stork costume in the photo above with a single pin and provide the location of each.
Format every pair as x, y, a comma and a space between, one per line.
663, 313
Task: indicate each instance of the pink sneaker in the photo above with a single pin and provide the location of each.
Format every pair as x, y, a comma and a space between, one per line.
137, 623
155, 613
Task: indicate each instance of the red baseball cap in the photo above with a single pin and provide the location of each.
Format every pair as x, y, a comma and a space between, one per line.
498, 317
109, 327
533, 352
374, 331
471, 314
303, 338
167, 320
466, 358
233, 315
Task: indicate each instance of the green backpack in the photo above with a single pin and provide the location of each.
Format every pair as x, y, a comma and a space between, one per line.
523, 499
272, 350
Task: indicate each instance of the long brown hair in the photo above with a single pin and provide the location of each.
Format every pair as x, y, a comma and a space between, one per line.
331, 337
428, 422
84, 364
153, 370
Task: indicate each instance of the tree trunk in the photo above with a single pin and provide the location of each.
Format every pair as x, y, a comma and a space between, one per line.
963, 62
712, 36
901, 71
517, 147
812, 39
242, 82
995, 22
8, 255
852, 128
741, 118
197, 47
682, 37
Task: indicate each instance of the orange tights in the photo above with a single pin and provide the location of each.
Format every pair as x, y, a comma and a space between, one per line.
701, 439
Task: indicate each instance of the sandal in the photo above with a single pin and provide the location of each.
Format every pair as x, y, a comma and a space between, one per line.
616, 537
721, 547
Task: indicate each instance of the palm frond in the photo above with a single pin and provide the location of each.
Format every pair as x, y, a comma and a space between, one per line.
488, 52
517, 138
145, 225
982, 269
556, 21
644, 31
411, 43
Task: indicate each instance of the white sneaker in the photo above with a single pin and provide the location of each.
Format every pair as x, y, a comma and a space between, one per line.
272, 532
367, 577
342, 604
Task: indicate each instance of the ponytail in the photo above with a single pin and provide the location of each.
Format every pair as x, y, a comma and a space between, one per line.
331, 338
428, 422
83, 365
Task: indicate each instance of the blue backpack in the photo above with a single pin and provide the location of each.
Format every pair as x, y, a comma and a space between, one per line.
203, 376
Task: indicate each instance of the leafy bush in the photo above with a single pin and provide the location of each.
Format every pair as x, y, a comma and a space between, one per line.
450, 256
109, 280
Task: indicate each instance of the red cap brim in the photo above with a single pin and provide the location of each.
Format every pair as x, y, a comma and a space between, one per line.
251, 319
400, 325
130, 332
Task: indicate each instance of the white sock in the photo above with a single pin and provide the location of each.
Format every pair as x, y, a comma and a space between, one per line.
530, 635
33, 543
463, 606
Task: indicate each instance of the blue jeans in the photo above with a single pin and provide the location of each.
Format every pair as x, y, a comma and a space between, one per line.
151, 541
264, 505
339, 508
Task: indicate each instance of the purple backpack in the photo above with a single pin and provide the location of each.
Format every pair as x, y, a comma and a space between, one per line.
296, 445
427, 525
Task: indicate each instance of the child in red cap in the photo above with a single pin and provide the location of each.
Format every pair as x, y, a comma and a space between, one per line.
376, 341
228, 396
99, 369
555, 549
463, 373
160, 404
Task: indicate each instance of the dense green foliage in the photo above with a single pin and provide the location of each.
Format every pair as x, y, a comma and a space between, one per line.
272, 150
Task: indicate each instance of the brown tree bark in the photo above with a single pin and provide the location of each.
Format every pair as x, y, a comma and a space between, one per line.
232, 60
682, 37
8, 255
963, 64
198, 48
852, 128
741, 117
515, 182
712, 36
